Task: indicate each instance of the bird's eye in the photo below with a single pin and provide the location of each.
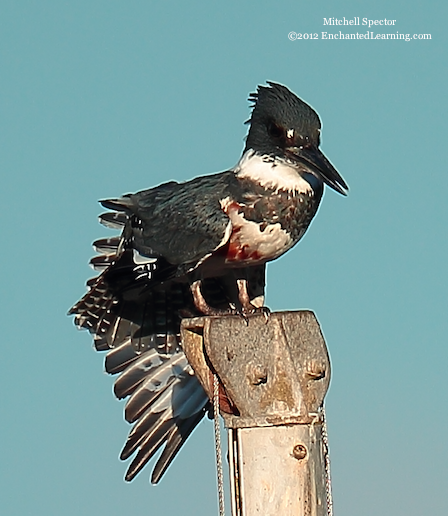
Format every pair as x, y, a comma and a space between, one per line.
275, 130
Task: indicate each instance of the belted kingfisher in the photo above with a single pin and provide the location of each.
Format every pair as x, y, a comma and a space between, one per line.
198, 248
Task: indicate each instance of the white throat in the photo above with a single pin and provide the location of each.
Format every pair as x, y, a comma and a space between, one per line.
271, 173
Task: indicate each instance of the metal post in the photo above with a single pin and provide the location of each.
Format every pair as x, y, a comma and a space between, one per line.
275, 374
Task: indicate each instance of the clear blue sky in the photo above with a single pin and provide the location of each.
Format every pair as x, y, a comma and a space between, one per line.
102, 97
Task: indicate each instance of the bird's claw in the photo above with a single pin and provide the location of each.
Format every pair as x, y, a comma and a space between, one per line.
246, 312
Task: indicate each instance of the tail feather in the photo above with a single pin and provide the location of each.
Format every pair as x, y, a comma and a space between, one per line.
128, 381
148, 448
113, 220
95, 312
143, 430
120, 358
107, 246
102, 262
152, 387
175, 441
123, 204
176, 400
150, 433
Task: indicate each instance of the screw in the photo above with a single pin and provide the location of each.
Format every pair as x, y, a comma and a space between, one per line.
299, 451
315, 370
258, 375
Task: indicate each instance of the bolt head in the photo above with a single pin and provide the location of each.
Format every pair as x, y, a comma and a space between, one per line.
299, 451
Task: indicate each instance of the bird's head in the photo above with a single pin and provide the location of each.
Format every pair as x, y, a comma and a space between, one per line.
284, 126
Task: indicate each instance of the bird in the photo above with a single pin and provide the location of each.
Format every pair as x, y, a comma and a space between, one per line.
198, 248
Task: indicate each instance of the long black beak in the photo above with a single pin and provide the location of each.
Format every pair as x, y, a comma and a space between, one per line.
313, 159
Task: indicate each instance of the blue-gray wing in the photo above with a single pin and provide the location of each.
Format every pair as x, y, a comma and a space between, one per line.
181, 222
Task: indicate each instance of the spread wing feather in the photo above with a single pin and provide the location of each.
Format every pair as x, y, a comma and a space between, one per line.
134, 307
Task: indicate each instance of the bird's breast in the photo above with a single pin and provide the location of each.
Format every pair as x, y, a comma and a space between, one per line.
253, 242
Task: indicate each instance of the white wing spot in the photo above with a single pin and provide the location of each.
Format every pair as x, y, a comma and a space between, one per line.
139, 259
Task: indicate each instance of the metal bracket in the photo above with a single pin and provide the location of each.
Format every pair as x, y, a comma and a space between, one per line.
275, 373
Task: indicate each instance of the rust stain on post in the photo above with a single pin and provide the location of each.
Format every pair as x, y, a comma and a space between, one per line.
280, 392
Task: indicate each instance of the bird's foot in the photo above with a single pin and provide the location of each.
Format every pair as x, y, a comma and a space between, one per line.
247, 307
263, 310
247, 311
202, 306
